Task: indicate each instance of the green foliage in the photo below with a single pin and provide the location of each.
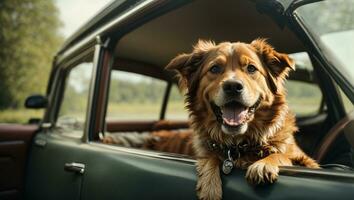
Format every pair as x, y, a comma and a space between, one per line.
19, 115
29, 39
144, 90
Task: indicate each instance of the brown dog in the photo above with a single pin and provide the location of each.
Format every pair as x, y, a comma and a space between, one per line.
236, 98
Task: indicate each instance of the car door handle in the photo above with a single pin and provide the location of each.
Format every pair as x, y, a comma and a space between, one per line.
75, 167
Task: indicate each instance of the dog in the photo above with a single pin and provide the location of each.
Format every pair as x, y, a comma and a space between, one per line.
236, 99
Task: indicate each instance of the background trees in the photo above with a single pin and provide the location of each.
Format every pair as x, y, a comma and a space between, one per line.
29, 38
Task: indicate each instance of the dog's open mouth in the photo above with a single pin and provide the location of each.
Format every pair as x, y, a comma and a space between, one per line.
233, 114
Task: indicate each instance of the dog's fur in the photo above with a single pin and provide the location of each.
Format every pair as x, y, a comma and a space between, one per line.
259, 112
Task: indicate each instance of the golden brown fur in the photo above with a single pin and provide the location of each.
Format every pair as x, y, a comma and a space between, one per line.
270, 125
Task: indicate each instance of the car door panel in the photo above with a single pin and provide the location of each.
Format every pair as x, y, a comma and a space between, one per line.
124, 173
119, 175
46, 177
14, 143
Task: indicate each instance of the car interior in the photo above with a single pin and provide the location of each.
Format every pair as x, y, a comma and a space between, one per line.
145, 51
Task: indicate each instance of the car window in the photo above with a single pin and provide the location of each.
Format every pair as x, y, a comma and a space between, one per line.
134, 97
176, 108
304, 99
73, 108
333, 32
304, 95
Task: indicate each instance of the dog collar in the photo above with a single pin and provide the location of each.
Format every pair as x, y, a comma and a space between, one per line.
231, 153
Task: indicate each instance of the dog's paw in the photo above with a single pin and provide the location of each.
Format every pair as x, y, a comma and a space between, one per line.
262, 172
209, 190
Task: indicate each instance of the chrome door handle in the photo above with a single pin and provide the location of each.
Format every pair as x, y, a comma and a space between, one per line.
75, 167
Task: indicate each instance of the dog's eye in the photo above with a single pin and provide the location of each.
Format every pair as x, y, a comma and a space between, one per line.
251, 69
215, 69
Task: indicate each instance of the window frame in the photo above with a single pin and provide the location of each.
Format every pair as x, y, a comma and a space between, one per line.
62, 76
62, 72
65, 78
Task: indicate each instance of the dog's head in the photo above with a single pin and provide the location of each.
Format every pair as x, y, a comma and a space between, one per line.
231, 81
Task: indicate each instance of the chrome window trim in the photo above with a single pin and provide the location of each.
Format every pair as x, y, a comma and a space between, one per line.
90, 111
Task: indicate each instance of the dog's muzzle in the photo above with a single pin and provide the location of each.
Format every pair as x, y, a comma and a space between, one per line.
233, 116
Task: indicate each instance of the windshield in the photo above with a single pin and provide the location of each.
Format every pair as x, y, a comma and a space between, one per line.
331, 24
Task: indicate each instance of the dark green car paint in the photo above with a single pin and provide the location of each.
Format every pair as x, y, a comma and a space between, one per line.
123, 173
114, 174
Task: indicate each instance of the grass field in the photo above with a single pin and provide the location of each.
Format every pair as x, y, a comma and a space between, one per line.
20, 116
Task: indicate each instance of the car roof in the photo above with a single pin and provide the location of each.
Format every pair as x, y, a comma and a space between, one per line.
117, 7
159, 40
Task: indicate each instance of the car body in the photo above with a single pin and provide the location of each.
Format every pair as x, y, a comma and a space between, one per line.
63, 158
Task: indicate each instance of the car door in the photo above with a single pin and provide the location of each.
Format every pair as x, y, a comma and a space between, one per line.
54, 169
118, 172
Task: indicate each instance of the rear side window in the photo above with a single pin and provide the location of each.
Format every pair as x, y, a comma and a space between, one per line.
134, 97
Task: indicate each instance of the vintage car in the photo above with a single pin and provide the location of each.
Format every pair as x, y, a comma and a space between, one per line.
123, 50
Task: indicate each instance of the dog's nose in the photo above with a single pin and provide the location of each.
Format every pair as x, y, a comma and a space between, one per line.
233, 87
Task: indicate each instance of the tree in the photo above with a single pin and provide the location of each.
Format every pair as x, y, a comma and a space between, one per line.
29, 38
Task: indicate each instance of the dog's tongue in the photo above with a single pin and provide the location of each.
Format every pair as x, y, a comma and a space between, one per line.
234, 116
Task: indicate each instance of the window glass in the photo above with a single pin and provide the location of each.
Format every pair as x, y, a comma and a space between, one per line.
304, 95
72, 112
176, 108
331, 25
134, 97
304, 99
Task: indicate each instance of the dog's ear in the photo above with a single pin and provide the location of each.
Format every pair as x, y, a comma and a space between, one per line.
278, 64
187, 65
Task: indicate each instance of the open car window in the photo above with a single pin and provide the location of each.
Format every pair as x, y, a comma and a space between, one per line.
162, 42
176, 108
134, 97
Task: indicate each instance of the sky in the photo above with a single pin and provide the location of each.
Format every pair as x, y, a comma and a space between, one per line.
75, 13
